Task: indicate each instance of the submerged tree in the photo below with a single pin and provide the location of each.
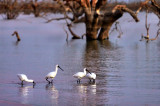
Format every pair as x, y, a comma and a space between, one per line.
97, 22
156, 10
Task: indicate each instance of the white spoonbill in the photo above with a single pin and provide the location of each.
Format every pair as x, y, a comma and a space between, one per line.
91, 76
51, 75
23, 78
80, 75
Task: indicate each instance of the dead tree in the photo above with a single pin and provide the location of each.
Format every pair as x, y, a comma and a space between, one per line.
156, 10
97, 23
153, 6
147, 38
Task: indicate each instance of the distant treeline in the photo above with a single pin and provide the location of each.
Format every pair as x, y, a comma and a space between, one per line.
14, 7
132, 5
28, 7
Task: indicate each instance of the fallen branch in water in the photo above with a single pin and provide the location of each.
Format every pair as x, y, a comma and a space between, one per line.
66, 33
17, 35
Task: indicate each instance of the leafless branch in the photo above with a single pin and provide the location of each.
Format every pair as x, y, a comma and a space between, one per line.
125, 9
57, 19
147, 28
118, 29
66, 34
146, 25
75, 36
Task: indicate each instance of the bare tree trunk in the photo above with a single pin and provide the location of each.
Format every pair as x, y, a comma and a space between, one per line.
92, 26
107, 22
97, 25
103, 23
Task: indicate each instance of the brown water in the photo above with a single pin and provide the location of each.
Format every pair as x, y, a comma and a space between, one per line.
128, 71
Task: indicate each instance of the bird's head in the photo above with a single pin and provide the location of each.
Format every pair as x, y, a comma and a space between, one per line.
59, 67
85, 69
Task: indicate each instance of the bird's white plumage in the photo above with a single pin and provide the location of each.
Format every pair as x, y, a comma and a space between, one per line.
80, 75
91, 76
52, 74
23, 77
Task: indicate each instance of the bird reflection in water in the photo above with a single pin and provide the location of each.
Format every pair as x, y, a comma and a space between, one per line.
93, 88
25, 93
87, 93
53, 93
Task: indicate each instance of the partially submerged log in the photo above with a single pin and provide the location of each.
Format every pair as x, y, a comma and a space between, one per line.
17, 35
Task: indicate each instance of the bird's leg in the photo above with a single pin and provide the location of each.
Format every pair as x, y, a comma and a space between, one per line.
34, 84
78, 81
94, 80
48, 80
22, 83
90, 80
52, 81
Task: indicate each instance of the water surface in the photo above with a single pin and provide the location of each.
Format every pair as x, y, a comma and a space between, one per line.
127, 69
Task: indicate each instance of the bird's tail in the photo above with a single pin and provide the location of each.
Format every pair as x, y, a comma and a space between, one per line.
74, 75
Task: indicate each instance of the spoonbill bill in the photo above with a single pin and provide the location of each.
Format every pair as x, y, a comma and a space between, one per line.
23, 78
80, 75
53, 74
91, 76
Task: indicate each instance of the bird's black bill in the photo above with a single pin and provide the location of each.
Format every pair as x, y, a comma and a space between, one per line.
88, 71
60, 68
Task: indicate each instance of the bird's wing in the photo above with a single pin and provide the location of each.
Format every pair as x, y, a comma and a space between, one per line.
50, 75
89, 75
94, 75
79, 75
22, 76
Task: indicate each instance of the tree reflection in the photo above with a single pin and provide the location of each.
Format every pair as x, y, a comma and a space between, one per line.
95, 55
102, 58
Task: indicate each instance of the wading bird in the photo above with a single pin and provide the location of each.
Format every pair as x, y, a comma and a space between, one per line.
80, 75
51, 75
91, 76
23, 78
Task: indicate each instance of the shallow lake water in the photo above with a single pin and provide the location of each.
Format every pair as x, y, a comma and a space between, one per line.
128, 71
